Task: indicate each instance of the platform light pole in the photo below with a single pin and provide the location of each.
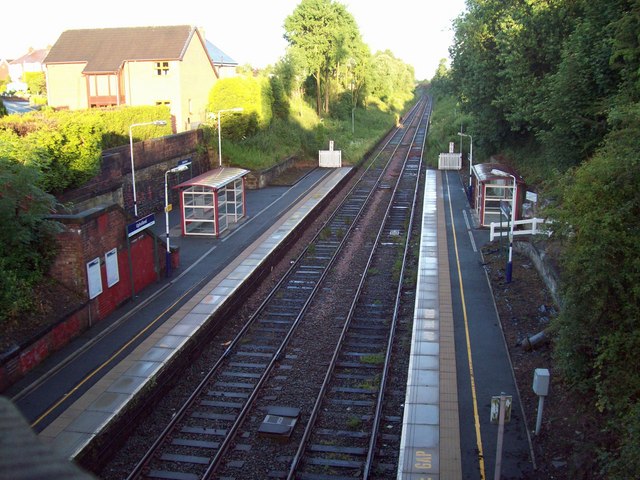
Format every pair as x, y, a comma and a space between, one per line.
470, 155
237, 109
178, 169
500, 173
133, 170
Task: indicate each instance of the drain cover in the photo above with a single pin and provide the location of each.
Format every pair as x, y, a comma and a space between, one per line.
279, 422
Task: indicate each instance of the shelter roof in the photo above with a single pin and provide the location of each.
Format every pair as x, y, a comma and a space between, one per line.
216, 178
104, 50
483, 172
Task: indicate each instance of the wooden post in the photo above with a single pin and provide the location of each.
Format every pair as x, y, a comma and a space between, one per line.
500, 436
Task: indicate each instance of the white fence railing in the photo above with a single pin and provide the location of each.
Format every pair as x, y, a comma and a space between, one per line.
449, 161
533, 224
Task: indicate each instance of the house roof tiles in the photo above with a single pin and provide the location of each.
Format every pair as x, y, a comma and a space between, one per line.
105, 50
34, 56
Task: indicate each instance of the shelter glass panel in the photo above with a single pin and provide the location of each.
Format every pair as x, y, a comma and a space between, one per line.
223, 220
198, 211
495, 193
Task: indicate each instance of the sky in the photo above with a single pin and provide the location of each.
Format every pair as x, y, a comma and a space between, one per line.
250, 31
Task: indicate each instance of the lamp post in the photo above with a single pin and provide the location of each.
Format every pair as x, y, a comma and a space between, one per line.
179, 168
500, 173
237, 109
470, 155
133, 170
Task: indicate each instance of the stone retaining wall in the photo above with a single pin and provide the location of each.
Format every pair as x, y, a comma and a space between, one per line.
261, 178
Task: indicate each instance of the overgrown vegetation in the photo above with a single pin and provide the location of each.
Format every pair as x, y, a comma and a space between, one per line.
26, 236
554, 86
65, 147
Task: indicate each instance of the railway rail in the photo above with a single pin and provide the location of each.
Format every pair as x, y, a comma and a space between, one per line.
195, 442
354, 388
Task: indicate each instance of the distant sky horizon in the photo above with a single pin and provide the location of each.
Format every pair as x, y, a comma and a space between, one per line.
250, 31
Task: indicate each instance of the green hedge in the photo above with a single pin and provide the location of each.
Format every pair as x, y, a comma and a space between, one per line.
65, 146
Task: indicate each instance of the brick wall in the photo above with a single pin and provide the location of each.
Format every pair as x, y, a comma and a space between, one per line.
91, 234
152, 159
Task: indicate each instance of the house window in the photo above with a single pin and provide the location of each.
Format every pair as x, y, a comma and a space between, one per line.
162, 68
163, 102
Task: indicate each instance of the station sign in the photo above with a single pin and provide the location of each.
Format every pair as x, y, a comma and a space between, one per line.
495, 408
140, 225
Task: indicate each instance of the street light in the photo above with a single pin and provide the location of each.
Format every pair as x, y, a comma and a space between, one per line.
237, 109
133, 170
179, 168
470, 156
500, 173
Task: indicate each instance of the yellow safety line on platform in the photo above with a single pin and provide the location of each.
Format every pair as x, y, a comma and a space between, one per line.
107, 362
476, 417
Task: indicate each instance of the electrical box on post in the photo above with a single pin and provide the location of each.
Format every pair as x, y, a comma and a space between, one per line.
541, 381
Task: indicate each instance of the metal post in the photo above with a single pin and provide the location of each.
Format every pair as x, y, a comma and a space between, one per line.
513, 221
133, 168
133, 173
501, 250
470, 162
539, 417
500, 173
470, 159
219, 142
353, 121
166, 219
178, 169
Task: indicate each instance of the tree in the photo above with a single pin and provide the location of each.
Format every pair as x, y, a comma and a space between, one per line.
322, 33
36, 82
390, 79
575, 102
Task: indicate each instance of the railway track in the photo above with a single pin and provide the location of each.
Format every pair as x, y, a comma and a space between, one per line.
195, 442
353, 392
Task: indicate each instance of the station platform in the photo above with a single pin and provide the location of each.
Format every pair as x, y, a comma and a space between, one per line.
430, 444
98, 407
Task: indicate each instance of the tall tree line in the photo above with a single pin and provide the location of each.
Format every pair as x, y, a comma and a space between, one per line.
325, 44
555, 84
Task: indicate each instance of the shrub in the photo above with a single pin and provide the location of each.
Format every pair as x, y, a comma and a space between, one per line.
253, 95
27, 237
65, 147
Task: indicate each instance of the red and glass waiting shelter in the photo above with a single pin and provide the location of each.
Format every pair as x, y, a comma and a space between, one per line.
213, 201
492, 185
